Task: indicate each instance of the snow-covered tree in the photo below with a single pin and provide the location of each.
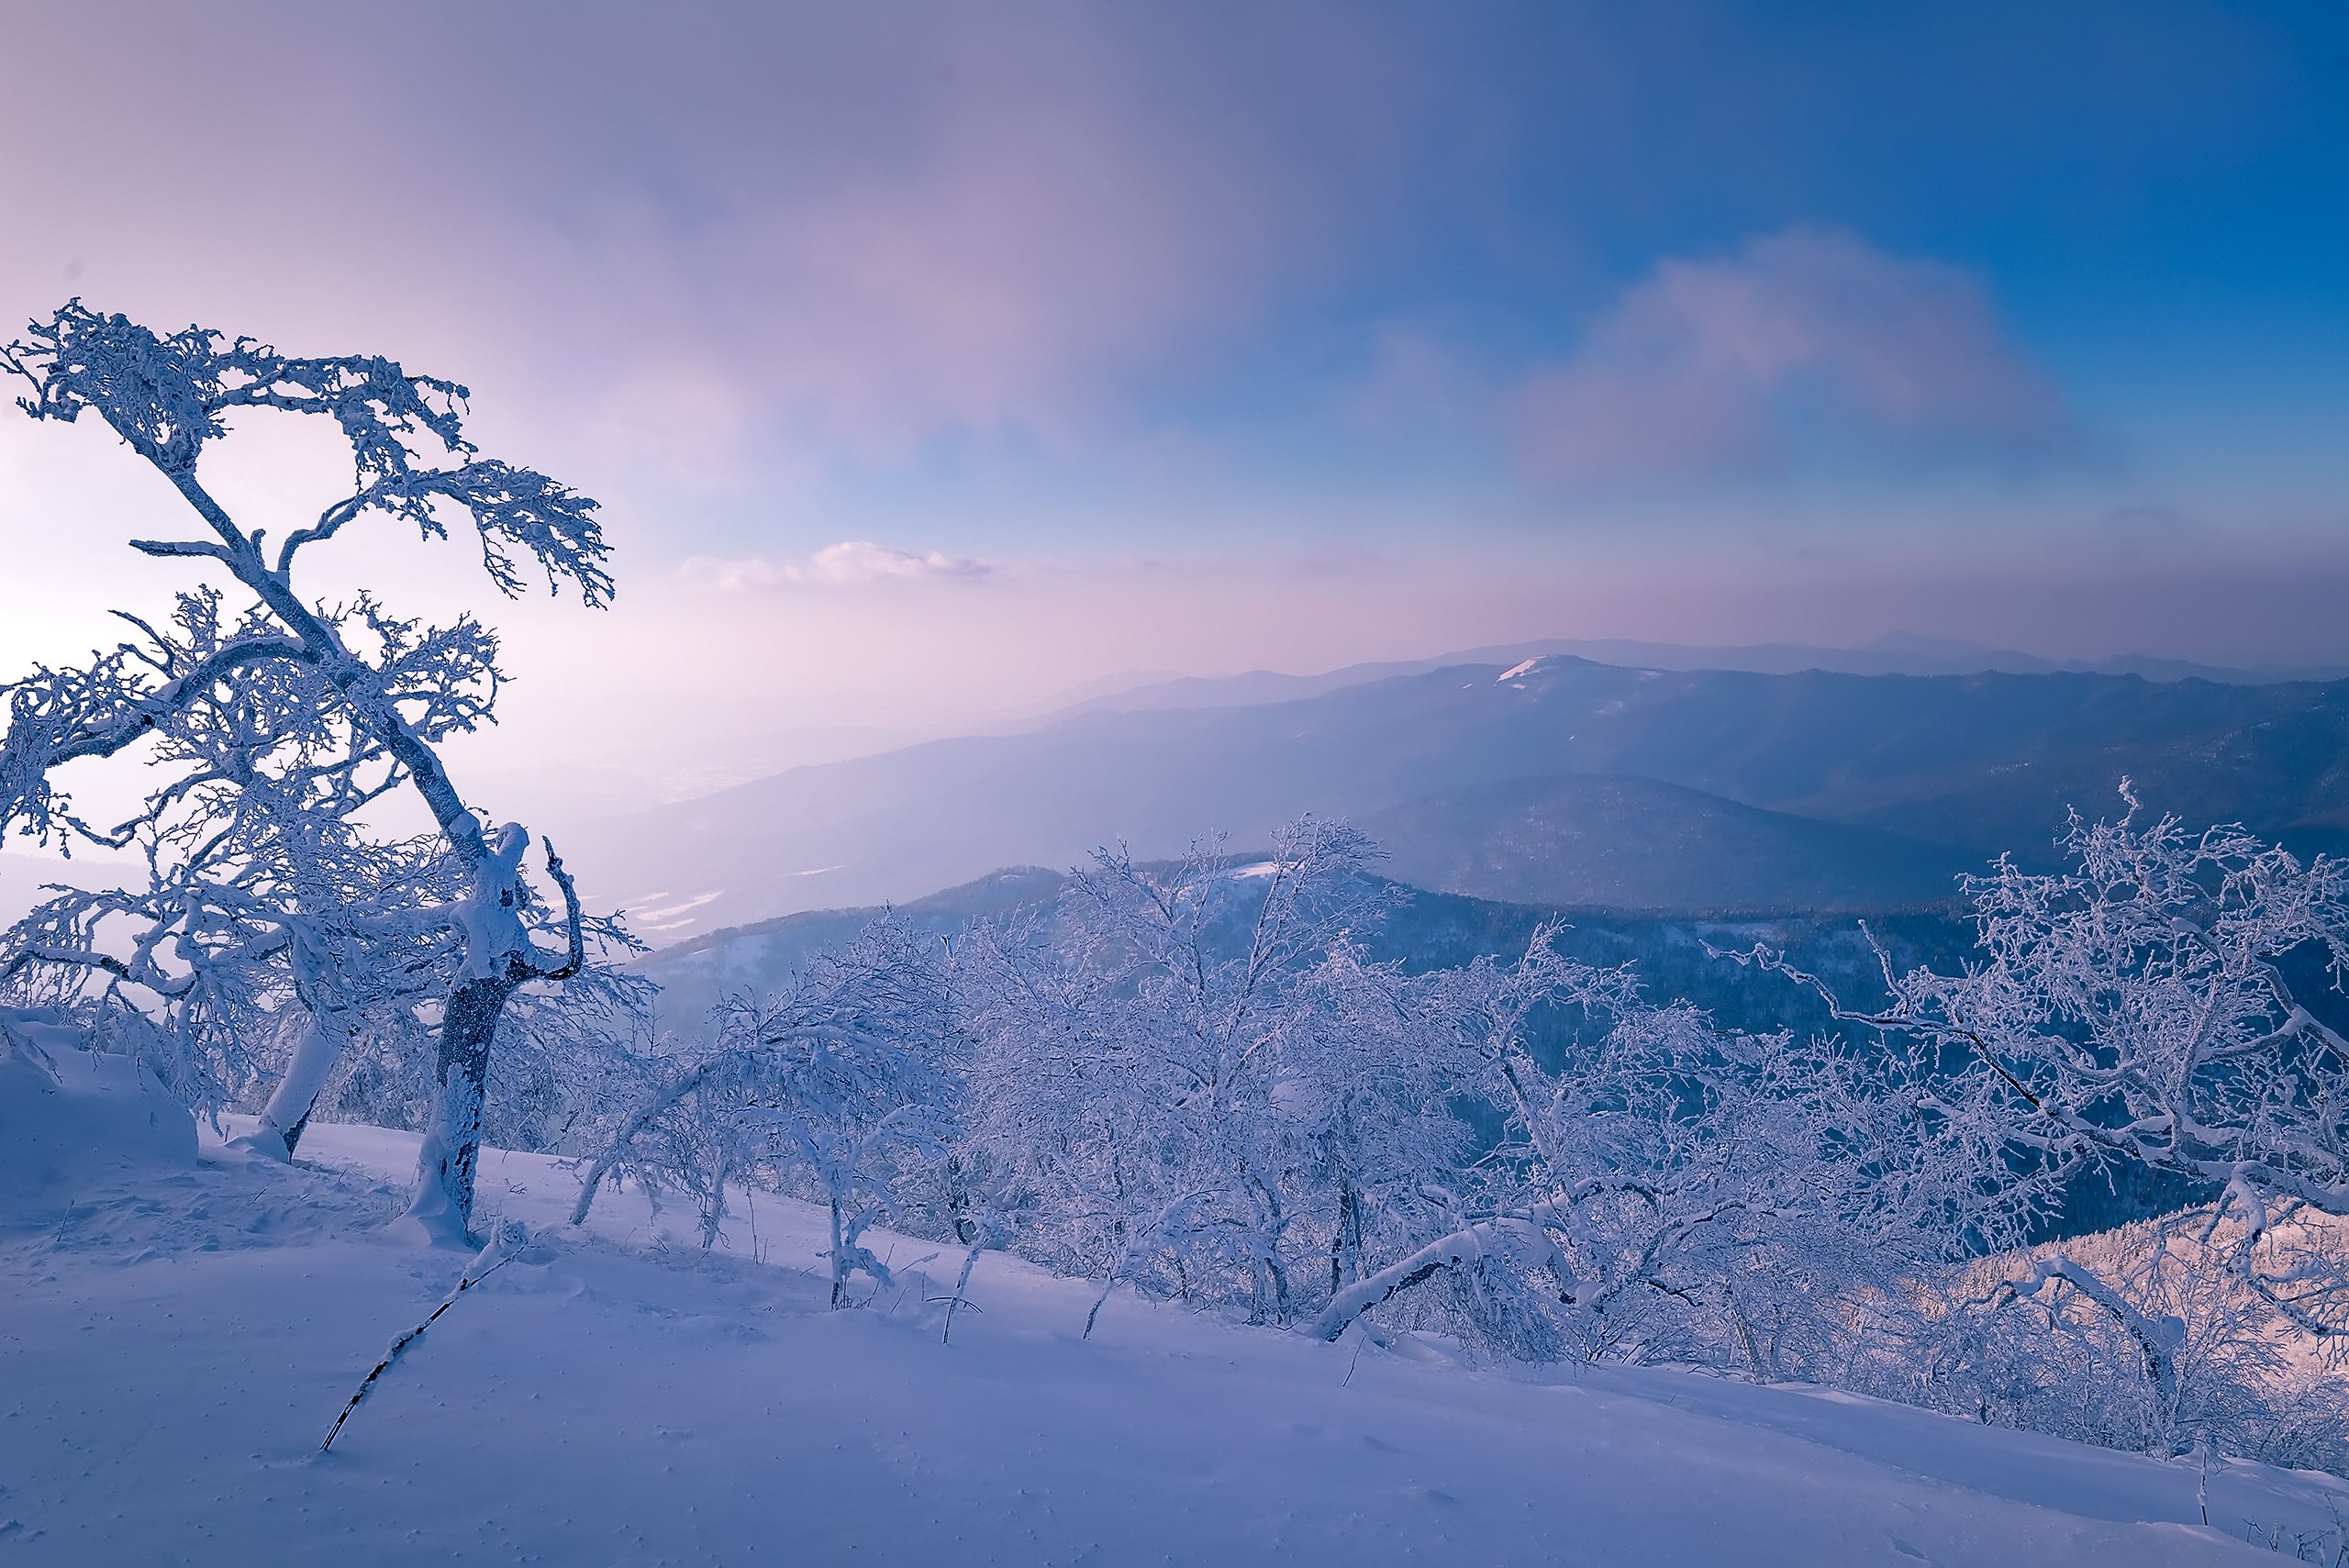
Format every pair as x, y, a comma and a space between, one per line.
1664, 1188
1370, 1104
284, 716
1193, 1078
2135, 1338
2137, 1010
267, 911
1042, 1148
1152, 1081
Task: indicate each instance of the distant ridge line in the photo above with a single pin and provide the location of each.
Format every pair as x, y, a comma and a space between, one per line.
1891, 655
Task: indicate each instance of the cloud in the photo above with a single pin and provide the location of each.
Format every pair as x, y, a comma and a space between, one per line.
1807, 344
1418, 383
848, 564
863, 227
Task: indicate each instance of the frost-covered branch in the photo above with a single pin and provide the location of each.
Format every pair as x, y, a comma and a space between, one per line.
1516, 1239
2158, 1341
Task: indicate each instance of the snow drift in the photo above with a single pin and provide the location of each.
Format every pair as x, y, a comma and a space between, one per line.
70, 1116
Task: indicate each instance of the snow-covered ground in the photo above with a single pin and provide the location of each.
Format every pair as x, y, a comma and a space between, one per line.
173, 1344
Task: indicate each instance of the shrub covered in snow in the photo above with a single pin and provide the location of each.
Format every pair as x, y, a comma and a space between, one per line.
69, 1114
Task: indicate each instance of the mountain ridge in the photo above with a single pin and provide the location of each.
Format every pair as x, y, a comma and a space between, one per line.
1892, 654
1970, 765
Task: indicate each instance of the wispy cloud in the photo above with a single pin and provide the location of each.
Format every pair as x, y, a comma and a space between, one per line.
1805, 343
848, 564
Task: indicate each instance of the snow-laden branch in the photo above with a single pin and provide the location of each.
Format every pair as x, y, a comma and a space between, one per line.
2159, 1340
511, 1240
165, 397
1518, 1240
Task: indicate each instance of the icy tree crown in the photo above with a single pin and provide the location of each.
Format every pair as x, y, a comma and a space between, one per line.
165, 397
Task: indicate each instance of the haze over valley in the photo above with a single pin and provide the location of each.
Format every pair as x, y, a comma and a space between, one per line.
1549, 780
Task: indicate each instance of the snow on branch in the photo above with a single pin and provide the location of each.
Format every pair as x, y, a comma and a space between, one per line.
1467, 1248
2158, 1339
165, 397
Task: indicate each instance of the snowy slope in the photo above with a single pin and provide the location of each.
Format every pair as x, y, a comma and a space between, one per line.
175, 1344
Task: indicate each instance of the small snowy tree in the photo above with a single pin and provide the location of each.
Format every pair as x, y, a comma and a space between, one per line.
2135, 1338
1369, 1102
841, 1086
378, 717
1045, 1145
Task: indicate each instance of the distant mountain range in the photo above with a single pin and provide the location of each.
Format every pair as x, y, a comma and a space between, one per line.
1895, 653
1555, 778
769, 821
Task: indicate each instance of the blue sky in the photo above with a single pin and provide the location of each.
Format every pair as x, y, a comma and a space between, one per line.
931, 357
